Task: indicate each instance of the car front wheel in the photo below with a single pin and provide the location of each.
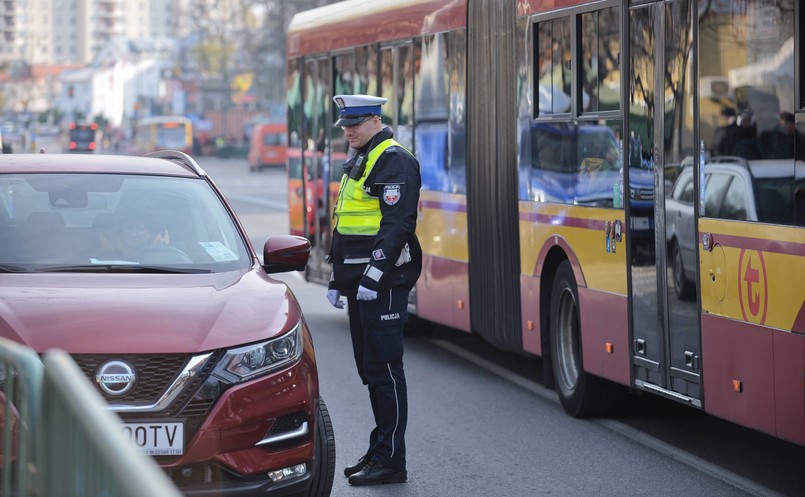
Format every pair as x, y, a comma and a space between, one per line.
324, 462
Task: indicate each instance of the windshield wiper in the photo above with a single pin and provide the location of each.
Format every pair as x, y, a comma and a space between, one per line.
8, 268
123, 268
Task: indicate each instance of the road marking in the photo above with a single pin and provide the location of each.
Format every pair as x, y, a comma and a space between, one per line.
624, 430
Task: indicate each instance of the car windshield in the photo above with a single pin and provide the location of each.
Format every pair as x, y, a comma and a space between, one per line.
115, 222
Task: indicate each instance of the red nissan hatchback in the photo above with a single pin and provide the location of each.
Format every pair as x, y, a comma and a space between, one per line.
140, 270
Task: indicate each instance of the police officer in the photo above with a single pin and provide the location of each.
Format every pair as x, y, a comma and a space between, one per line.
376, 260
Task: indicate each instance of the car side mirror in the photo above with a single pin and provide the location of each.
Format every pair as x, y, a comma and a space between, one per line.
283, 253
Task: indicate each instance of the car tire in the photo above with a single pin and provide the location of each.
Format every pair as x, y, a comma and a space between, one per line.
321, 484
682, 286
581, 394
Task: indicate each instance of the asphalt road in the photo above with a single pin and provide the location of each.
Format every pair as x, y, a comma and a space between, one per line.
481, 423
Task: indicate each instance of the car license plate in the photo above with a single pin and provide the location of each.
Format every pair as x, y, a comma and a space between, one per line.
156, 439
640, 223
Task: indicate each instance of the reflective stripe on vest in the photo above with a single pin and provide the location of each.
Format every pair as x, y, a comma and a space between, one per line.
356, 212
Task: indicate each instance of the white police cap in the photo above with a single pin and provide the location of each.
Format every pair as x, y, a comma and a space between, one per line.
355, 109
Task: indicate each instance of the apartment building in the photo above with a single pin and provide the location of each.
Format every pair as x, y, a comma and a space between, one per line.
74, 31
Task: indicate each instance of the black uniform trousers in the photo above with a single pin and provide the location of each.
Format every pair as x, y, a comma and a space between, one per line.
377, 340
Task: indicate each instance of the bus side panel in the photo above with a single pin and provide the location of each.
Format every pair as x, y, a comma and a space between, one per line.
443, 287
527, 7
530, 313
332, 27
604, 340
734, 352
789, 380
442, 292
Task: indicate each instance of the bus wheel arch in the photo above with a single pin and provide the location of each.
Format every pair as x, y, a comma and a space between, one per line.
554, 253
581, 394
550, 262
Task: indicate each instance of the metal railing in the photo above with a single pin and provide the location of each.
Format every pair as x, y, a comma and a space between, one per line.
21, 374
62, 441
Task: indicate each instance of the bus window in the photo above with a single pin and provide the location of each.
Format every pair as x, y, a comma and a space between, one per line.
554, 77
600, 46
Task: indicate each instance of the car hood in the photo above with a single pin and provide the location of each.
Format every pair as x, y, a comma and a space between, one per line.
134, 313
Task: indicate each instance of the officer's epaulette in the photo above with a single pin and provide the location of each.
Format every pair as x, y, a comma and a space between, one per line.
391, 150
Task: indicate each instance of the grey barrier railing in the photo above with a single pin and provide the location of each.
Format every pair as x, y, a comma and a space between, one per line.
63, 442
21, 374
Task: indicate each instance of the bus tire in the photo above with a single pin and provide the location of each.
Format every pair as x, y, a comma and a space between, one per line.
581, 394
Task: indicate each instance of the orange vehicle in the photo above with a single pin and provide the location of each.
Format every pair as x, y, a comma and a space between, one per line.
550, 136
268, 146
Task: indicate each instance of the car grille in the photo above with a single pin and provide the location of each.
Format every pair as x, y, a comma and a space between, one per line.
156, 373
643, 194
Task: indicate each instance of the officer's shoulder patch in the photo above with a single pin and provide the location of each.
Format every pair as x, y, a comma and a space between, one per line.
391, 194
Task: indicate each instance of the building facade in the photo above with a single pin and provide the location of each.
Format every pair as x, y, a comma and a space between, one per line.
74, 31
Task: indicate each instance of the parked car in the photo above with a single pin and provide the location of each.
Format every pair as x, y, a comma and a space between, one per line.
267, 146
735, 189
139, 270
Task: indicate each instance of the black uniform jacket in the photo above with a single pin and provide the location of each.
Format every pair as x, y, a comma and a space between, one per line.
395, 168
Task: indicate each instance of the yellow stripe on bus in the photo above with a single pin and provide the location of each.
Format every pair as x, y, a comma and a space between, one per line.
753, 273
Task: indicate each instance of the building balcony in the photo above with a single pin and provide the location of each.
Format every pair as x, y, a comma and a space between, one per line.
107, 30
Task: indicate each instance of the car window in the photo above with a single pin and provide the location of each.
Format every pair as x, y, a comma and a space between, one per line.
775, 200
683, 191
716, 186
734, 204
86, 220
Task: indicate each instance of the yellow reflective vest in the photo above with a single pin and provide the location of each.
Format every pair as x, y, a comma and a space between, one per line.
356, 212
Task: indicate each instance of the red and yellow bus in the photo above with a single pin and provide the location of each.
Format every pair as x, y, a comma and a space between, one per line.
163, 133
617, 187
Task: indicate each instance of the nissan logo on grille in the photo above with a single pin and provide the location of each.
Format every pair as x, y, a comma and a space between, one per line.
116, 378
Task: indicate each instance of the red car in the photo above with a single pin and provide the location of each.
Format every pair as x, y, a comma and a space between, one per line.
139, 269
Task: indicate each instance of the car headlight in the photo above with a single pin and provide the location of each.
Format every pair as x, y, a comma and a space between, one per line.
257, 359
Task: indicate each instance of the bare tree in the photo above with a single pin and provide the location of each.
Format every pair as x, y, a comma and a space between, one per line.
268, 44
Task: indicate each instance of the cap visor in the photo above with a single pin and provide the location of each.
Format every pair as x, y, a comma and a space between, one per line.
352, 121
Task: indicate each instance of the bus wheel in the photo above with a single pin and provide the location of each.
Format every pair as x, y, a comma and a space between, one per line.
580, 394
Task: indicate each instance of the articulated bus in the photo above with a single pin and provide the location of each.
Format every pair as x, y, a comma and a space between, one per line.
163, 132
615, 186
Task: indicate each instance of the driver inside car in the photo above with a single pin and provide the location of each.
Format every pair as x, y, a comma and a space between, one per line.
133, 236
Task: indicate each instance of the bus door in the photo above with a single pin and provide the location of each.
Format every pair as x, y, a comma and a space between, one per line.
665, 332
317, 124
